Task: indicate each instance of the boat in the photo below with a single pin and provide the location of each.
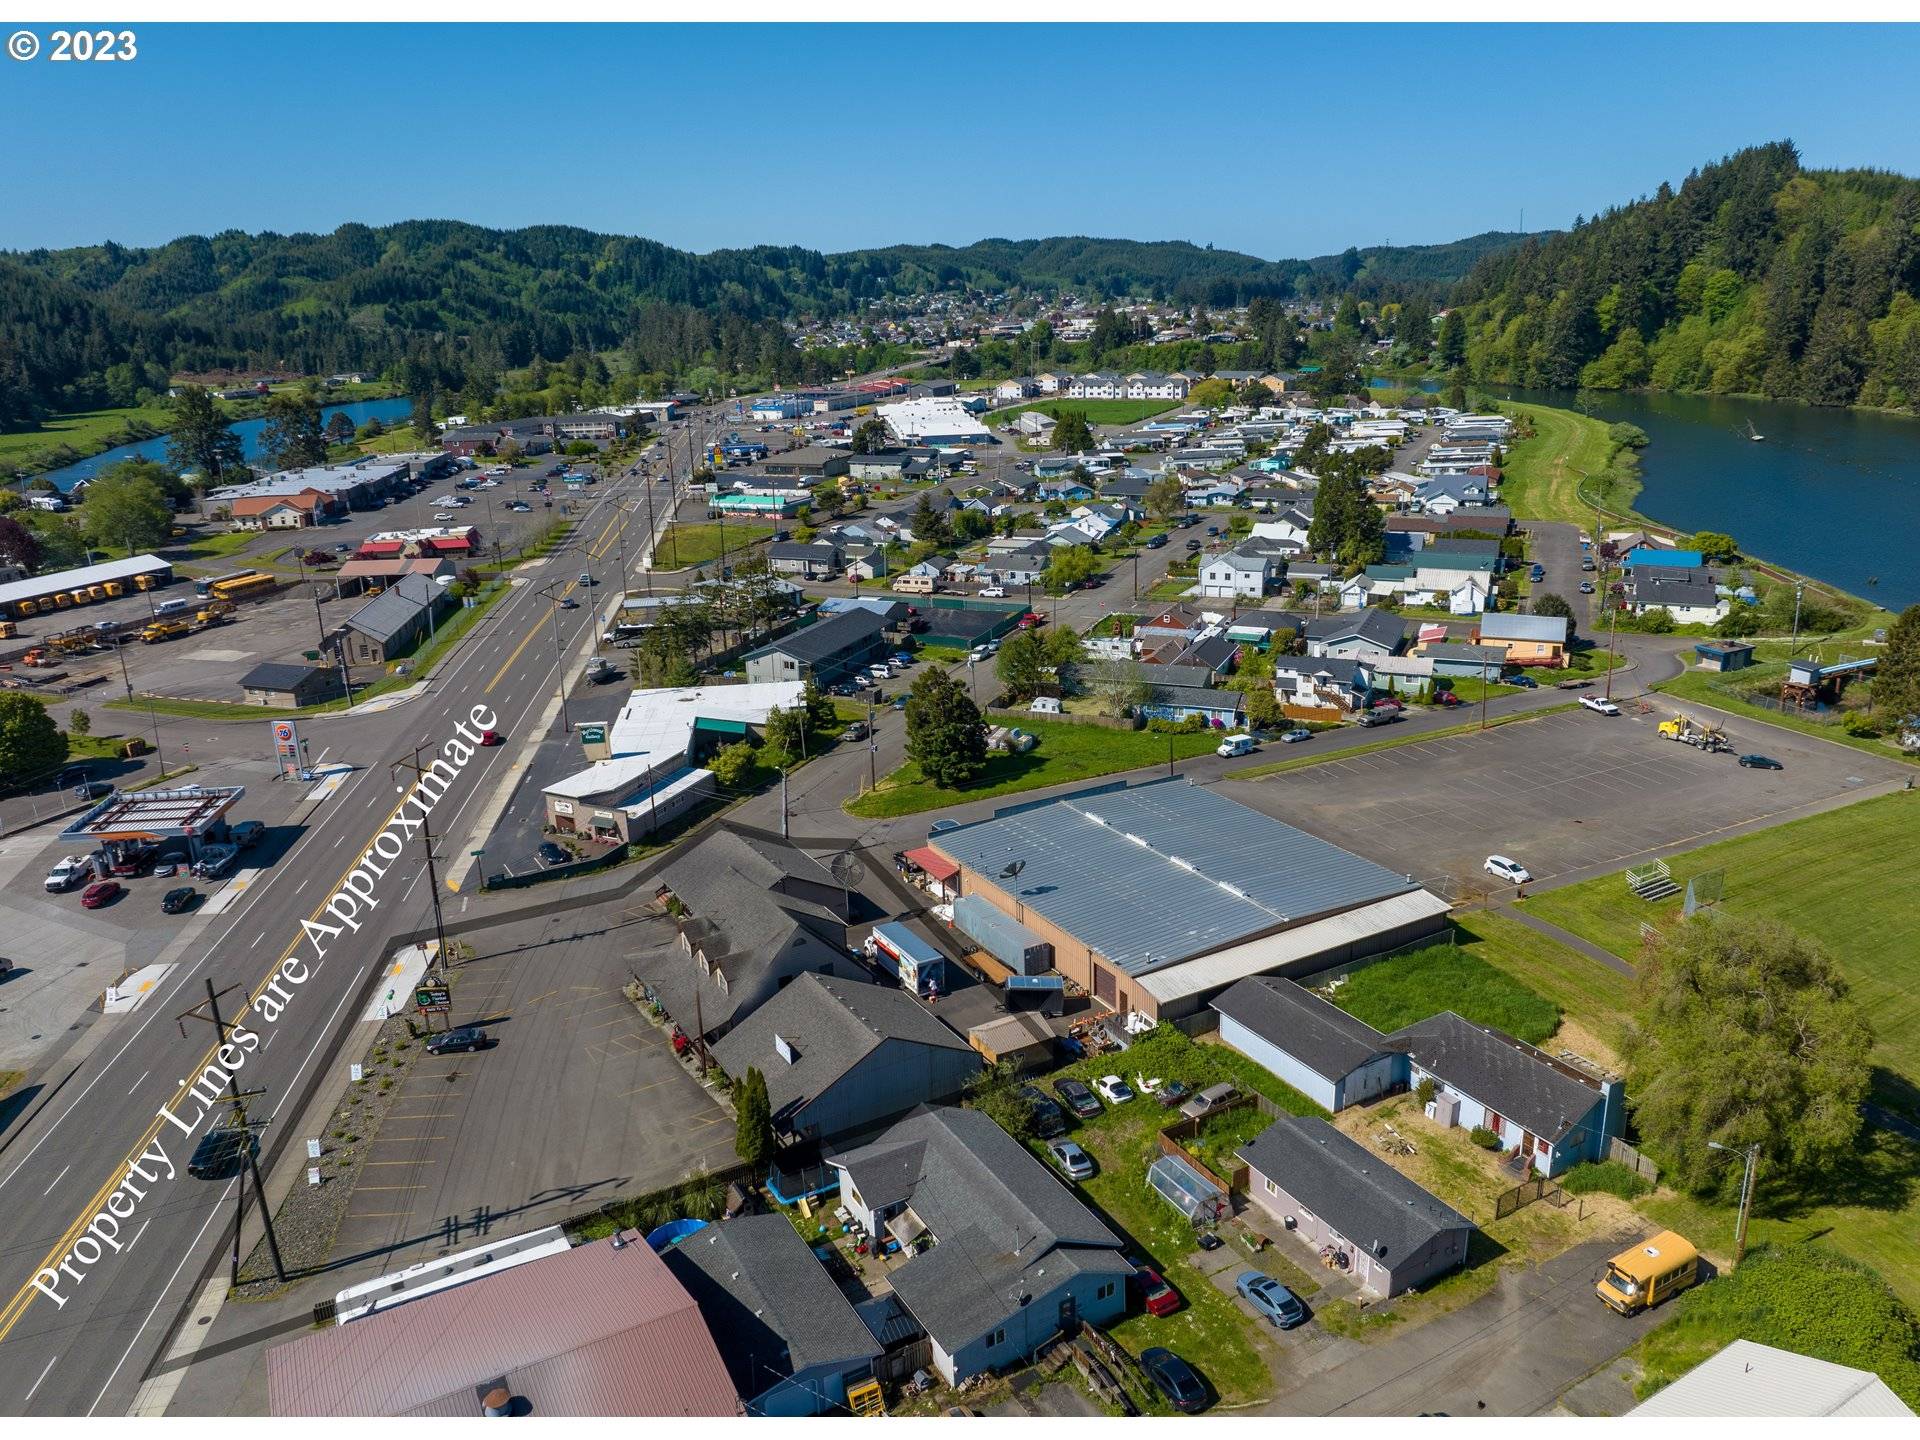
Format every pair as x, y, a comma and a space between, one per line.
1753, 434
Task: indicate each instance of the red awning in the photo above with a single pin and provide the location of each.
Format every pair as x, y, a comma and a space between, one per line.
380, 549
445, 543
933, 862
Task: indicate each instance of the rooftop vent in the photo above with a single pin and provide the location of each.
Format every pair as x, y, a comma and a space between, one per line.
784, 1049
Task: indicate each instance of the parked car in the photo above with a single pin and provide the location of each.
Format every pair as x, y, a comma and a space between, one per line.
1049, 1119
1155, 542
552, 854
467, 1037
1071, 1158
1296, 735
1370, 718
1760, 762
1113, 1089
247, 833
1207, 1240
1209, 1100
1078, 1098
1270, 1299
1525, 682
215, 861
101, 892
1174, 1379
131, 859
856, 731
1599, 706
1193, 545
1157, 1297
180, 899
992, 592
68, 872
1586, 563
1234, 746
1447, 700
1586, 587
1172, 1093
167, 868
91, 790
1502, 868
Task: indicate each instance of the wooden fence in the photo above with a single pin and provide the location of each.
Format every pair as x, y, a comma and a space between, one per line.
1618, 1149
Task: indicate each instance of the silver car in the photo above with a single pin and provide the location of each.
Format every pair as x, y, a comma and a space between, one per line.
1071, 1158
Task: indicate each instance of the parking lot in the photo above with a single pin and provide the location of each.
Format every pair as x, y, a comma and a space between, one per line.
579, 1102
1565, 795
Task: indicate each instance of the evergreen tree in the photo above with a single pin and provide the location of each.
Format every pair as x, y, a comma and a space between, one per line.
945, 735
1453, 340
753, 1139
292, 438
1896, 679
1072, 434
201, 441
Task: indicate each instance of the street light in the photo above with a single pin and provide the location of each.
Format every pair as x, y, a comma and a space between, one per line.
559, 653
1752, 1154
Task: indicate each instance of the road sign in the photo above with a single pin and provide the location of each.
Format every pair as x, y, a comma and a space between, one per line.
313, 1149
476, 853
433, 997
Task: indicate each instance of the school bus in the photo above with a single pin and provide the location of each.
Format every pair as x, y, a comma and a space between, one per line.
116, 588
26, 609
238, 587
1643, 1275
145, 581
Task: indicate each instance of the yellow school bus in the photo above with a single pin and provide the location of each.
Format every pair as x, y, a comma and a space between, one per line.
1645, 1274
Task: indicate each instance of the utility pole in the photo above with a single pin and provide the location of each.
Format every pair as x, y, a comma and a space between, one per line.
873, 752
559, 655
1483, 691
237, 1099
1613, 616
426, 844
1793, 645
1752, 1156
319, 620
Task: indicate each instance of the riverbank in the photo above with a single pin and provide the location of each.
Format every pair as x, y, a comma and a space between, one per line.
63, 440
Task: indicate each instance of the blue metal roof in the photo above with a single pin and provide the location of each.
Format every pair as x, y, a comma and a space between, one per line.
1153, 874
1036, 982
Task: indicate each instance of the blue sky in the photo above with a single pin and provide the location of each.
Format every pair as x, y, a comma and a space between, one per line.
1280, 140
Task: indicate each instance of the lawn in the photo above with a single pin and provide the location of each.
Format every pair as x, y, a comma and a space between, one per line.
686, 546
213, 545
1704, 687
1407, 988
82, 433
1588, 994
1066, 752
1347, 752
1844, 877
1097, 412
1543, 474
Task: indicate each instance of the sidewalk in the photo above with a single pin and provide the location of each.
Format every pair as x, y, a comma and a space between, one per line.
1566, 938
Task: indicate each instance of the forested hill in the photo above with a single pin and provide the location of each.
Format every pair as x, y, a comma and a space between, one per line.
1755, 276
467, 297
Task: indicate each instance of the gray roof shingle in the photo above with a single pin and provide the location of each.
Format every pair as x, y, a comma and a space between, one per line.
846, 632
395, 608
1509, 1075
1321, 1035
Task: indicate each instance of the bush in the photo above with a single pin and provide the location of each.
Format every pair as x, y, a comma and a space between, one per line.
1607, 1177
1854, 722
1425, 1091
1484, 1138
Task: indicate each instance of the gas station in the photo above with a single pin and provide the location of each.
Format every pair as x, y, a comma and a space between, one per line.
154, 817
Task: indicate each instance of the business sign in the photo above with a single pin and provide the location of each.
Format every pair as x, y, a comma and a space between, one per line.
433, 997
593, 734
286, 747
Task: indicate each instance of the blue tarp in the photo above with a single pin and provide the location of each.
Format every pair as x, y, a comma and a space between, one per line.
674, 1231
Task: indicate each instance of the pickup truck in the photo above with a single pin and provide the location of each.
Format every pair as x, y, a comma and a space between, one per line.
68, 872
1370, 718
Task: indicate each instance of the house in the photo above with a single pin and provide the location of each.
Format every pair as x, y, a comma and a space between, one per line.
753, 913
823, 652
306, 506
866, 563
1333, 1195
1004, 1255
791, 1342
1222, 709
1048, 382
1319, 1049
1011, 392
844, 1056
395, 621
1379, 582
1361, 635
289, 686
1151, 385
817, 560
1544, 1112
1688, 596
1071, 491
591, 1331
1398, 674
1526, 639
1101, 385
1745, 1380
884, 464
1453, 660
1023, 566
1235, 573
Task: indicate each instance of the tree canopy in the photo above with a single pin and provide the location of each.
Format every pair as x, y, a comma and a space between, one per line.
127, 507
946, 737
30, 743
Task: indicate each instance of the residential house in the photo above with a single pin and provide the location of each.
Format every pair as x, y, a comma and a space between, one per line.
1004, 1255
1222, 709
844, 1056
1049, 382
1333, 1058
791, 1342
1455, 660
1022, 566
1151, 385
1102, 385
1011, 392
816, 560
1359, 635
824, 652
1071, 491
1398, 674
1687, 595
1290, 524
754, 913
885, 464
1353, 1210
1237, 574
866, 562
1526, 639
283, 512
392, 623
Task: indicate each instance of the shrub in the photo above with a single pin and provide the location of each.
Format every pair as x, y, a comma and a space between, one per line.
1608, 1177
1426, 1090
1484, 1138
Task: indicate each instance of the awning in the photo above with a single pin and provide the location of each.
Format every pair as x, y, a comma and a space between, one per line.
933, 862
906, 1228
375, 549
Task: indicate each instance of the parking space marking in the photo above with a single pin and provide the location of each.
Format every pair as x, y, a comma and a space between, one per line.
402, 1139
377, 1214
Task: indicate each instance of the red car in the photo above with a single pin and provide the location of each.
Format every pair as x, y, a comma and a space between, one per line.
100, 893
1156, 1294
1448, 700
490, 737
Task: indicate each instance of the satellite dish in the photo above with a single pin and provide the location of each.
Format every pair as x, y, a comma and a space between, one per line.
1014, 867
847, 869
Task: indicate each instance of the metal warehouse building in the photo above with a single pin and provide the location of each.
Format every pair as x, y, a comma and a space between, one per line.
1157, 897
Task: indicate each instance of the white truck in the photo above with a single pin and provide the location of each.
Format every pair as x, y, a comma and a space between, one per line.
69, 872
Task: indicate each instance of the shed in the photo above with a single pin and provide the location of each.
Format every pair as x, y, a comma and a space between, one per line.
1724, 655
1002, 936
1023, 1040
1187, 1190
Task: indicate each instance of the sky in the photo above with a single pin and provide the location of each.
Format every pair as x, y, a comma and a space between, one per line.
1282, 141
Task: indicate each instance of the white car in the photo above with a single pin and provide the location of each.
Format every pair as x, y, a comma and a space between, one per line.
992, 592
443, 515
1599, 706
1512, 871
1113, 1089
69, 872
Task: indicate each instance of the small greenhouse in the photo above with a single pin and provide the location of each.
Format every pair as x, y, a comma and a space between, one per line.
1187, 1190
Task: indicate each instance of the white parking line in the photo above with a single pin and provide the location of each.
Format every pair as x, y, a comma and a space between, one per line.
56, 1180
136, 1084
36, 1384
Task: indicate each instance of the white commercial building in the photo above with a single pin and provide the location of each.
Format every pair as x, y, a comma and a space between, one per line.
933, 421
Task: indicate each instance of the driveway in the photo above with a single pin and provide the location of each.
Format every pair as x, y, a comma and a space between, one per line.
1514, 1351
1568, 795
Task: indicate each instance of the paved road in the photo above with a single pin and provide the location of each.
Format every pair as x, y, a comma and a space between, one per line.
98, 1110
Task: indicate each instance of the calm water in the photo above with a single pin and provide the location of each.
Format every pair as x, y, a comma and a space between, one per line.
359, 412
1831, 493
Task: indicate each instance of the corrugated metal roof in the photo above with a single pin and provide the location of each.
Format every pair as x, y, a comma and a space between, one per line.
1750, 1379
596, 1331
1153, 874
81, 577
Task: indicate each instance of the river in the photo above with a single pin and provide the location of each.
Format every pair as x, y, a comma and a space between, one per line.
359, 412
1834, 494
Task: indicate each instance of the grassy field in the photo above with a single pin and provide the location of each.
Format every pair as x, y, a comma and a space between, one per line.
1704, 687
1097, 412
1844, 877
84, 433
1543, 474
213, 545
1421, 983
1300, 762
1588, 994
1066, 752
687, 546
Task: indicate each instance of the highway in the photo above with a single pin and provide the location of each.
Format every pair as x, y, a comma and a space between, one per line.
74, 1149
